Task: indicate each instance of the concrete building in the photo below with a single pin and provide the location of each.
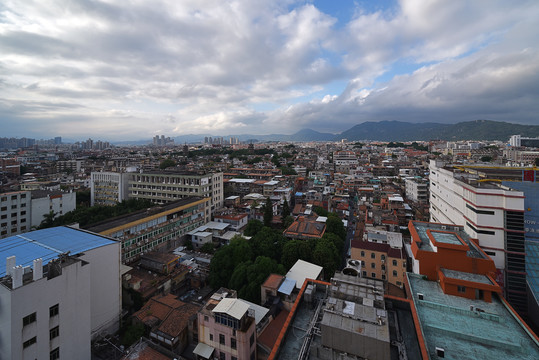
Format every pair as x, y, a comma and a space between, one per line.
59, 290
492, 214
108, 188
518, 141
15, 213
354, 319
226, 328
455, 327
417, 190
43, 202
344, 161
163, 227
166, 186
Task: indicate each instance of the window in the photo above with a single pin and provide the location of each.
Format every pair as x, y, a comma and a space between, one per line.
29, 319
232, 343
373, 266
383, 277
29, 342
363, 253
221, 339
53, 310
373, 256
490, 253
394, 262
383, 267
394, 272
233, 358
55, 354
461, 289
252, 339
383, 257
364, 273
54, 332
222, 356
211, 337
373, 275
206, 318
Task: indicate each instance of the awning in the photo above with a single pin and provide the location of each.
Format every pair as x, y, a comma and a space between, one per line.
203, 350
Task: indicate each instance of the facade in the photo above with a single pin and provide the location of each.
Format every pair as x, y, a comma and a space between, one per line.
518, 141
492, 215
226, 329
71, 165
15, 213
345, 161
417, 190
159, 227
43, 202
54, 304
108, 188
355, 303
167, 186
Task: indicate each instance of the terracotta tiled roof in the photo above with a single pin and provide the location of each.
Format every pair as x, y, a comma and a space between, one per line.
178, 319
273, 281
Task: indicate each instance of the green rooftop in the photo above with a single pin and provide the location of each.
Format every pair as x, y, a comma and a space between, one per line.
486, 331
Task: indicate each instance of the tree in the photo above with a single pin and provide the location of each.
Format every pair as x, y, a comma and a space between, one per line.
295, 249
320, 211
336, 240
268, 212
207, 248
287, 221
286, 210
267, 242
48, 219
253, 227
486, 158
326, 255
167, 163
335, 226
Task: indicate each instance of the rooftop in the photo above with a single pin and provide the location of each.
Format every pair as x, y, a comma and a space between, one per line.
48, 244
141, 214
448, 322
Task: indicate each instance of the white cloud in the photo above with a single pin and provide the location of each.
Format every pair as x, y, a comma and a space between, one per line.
126, 69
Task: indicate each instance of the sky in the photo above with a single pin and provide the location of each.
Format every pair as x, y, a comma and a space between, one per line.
132, 69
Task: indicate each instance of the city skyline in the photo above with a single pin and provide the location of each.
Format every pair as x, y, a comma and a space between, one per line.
132, 71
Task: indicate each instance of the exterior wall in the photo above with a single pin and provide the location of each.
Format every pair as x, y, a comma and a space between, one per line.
71, 291
167, 187
159, 229
106, 288
416, 191
209, 331
378, 265
60, 204
15, 211
108, 188
353, 342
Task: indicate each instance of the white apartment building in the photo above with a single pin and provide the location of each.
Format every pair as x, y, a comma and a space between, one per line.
165, 186
417, 190
43, 202
60, 289
108, 188
492, 215
14, 213
345, 161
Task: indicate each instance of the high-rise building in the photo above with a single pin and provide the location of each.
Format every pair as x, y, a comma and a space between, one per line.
108, 188
60, 289
492, 214
170, 185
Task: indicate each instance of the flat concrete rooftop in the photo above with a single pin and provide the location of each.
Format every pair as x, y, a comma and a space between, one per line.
447, 322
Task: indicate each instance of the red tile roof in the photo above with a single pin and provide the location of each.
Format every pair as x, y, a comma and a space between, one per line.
273, 281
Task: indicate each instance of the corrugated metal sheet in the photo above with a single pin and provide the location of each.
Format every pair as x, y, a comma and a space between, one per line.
48, 244
233, 307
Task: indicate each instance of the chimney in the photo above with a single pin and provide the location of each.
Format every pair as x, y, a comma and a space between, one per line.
10, 264
38, 269
17, 277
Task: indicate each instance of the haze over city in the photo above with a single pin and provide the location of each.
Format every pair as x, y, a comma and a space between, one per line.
131, 70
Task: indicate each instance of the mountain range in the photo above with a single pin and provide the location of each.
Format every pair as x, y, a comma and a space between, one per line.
387, 131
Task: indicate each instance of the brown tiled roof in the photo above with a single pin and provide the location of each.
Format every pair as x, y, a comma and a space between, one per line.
305, 228
268, 337
178, 319
273, 281
145, 352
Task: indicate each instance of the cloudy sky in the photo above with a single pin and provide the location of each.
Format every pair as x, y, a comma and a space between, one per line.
130, 69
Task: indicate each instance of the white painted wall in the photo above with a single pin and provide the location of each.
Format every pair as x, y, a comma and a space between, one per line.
71, 291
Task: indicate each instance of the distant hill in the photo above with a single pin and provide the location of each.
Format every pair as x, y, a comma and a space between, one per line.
469, 130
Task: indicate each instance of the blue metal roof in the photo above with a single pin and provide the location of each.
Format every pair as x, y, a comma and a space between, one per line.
48, 244
287, 286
